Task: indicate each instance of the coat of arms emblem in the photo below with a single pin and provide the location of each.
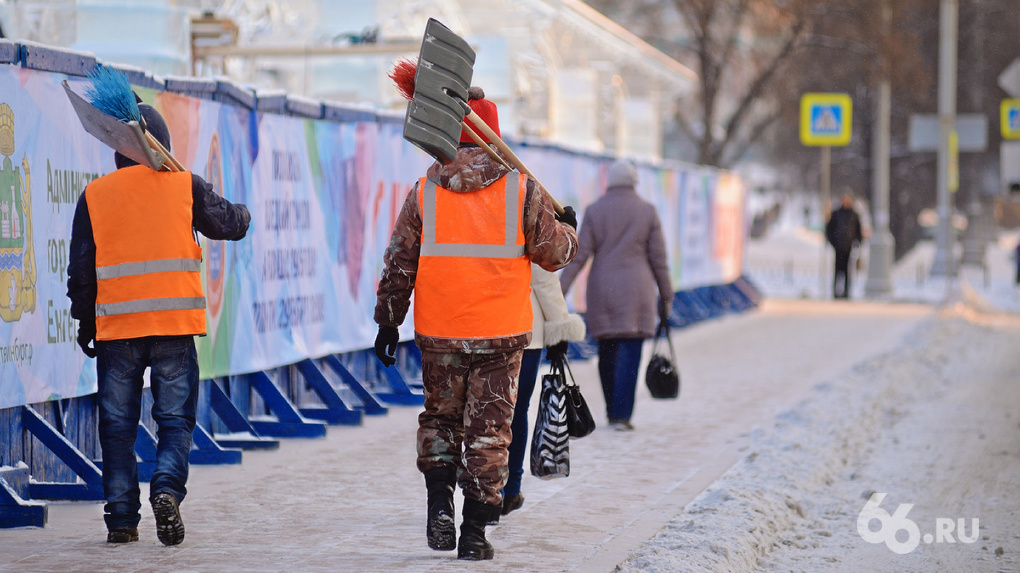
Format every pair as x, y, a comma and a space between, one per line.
17, 255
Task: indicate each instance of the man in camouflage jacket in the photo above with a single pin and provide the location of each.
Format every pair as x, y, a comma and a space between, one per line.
478, 375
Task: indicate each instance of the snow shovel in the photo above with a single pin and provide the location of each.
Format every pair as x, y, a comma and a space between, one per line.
127, 138
436, 112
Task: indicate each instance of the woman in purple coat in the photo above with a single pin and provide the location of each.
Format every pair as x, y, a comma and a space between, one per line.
628, 286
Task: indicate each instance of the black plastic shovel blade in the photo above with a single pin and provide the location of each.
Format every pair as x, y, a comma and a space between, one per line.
445, 65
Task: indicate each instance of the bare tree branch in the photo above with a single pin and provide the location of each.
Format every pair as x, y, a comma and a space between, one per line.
759, 84
753, 137
734, 32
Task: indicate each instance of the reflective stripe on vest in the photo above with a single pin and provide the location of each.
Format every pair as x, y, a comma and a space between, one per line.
508, 250
160, 266
148, 266
473, 278
149, 304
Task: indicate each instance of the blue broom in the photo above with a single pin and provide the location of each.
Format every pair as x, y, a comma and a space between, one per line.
111, 94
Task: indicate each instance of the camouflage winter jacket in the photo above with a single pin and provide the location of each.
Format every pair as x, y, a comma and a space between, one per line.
547, 242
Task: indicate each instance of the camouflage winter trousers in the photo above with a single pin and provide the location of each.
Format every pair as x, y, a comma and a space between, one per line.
469, 405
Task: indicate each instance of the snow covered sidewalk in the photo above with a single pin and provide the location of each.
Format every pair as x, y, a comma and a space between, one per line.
788, 416
354, 500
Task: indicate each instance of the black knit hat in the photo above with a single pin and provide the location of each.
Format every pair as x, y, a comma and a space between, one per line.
155, 125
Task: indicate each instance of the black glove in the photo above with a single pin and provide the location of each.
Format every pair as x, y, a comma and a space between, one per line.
86, 336
556, 352
664, 312
568, 217
386, 345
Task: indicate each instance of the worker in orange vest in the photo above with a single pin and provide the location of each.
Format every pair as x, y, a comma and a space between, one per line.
464, 243
134, 280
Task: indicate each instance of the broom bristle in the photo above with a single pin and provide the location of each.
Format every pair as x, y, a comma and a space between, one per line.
111, 94
402, 75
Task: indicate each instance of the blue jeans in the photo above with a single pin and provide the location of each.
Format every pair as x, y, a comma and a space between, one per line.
174, 382
519, 427
619, 362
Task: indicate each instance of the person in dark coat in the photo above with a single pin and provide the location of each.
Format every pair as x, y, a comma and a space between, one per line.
628, 287
843, 231
135, 287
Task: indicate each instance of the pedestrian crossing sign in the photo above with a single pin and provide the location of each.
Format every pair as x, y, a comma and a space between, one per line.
825, 119
1010, 113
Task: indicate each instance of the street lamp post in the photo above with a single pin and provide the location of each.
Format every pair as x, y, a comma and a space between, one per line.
943, 265
882, 244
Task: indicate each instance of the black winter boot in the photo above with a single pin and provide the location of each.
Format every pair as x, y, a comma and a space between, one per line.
473, 545
441, 528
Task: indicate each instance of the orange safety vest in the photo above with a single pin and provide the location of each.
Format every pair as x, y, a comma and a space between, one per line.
148, 267
474, 280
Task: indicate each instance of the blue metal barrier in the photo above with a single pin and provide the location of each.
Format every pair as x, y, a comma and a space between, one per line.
288, 422
394, 385
16, 509
207, 451
691, 307
369, 401
335, 410
240, 434
92, 486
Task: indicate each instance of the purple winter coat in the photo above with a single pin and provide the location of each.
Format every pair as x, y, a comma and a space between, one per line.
622, 235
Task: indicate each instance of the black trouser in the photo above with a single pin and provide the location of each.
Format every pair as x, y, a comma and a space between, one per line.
842, 270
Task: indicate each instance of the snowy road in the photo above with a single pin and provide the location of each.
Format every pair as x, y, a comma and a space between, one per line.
355, 502
949, 445
932, 424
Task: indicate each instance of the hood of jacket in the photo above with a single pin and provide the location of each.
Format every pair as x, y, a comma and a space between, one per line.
472, 170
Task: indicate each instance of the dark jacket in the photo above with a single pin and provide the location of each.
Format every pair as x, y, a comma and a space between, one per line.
547, 243
629, 277
212, 215
843, 229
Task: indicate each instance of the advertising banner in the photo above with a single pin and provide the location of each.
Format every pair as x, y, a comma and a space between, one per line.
323, 197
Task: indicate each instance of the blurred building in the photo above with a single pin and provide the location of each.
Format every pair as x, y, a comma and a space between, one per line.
558, 69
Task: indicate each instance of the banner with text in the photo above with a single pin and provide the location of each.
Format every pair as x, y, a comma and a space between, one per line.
323, 198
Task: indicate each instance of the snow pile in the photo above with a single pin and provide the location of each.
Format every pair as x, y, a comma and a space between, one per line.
739, 519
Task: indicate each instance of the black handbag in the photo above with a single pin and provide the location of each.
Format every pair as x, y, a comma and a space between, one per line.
580, 422
662, 377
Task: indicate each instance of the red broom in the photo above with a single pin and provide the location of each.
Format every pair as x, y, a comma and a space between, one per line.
403, 73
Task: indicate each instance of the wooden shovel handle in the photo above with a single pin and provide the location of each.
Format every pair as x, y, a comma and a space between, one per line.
481, 143
171, 161
502, 146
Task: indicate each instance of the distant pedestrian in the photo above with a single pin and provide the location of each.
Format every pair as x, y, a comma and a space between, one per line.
843, 231
553, 327
628, 287
463, 244
134, 280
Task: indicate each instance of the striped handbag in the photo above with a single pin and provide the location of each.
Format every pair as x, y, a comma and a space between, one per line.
550, 452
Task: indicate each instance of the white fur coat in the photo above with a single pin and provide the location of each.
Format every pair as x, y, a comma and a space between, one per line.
552, 322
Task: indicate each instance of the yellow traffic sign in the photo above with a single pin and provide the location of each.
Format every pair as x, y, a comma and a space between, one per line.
1010, 118
825, 119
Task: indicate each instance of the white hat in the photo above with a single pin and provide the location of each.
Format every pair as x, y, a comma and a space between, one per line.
622, 174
